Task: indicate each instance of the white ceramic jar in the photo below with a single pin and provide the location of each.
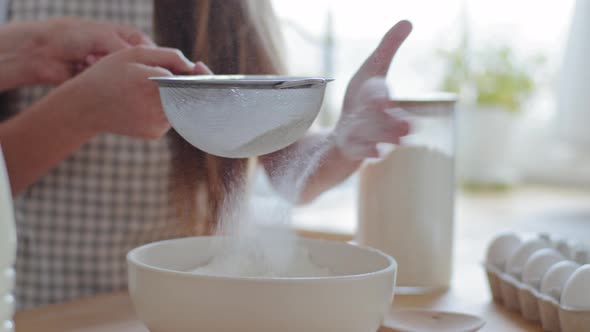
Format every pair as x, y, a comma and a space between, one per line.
7, 251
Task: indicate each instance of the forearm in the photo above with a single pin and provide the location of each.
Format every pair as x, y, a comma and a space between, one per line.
332, 170
333, 167
38, 138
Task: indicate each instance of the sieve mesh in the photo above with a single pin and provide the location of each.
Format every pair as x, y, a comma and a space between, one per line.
240, 122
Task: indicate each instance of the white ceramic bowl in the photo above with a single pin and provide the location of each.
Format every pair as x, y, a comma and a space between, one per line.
167, 299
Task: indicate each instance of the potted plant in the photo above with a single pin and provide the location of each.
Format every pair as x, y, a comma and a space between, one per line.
493, 85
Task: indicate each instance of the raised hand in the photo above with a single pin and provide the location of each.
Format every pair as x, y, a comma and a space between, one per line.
366, 119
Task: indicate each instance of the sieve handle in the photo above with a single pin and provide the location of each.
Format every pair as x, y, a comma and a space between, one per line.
308, 82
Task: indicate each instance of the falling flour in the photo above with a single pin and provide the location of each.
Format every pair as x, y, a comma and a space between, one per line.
261, 241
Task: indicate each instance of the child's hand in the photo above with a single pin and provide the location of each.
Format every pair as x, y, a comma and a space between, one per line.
366, 119
116, 95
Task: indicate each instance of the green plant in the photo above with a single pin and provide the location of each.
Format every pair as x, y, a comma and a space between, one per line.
457, 70
494, 75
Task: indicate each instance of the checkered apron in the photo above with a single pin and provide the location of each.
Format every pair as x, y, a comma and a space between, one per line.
76, 224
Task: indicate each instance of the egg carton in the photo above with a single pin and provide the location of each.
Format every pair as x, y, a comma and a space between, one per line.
546, 279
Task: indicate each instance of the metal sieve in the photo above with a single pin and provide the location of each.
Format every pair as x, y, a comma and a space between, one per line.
238, 116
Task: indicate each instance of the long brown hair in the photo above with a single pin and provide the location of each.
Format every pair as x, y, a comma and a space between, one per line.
231, 37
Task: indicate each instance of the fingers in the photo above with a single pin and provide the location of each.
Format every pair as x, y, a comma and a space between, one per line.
402, 119
397, 125
133, 36
377, 64
106, 42
379, 61
387, 129
168, 58
359, 132
24, 70
374, 97
393, 132
374, 91
404, 128
110, 38
150, 71
50, 72
92, 59
202, 69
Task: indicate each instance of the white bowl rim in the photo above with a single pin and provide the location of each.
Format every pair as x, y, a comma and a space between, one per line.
391, 267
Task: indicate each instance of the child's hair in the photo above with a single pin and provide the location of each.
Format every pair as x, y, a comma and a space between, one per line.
231, 37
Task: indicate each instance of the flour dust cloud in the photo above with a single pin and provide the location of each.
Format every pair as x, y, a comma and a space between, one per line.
262, 242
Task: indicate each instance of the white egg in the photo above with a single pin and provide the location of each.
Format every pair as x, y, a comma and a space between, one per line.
538, 264
582, 256
576, 292
515, 263
563, 247
545, 237
501, 248
554, 280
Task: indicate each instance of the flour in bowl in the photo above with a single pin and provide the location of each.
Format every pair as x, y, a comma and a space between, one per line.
250, 265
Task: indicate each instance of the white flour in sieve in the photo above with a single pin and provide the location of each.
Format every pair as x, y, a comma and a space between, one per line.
261, 120
262, 242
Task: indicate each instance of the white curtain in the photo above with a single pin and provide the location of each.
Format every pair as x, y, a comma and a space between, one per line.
573, 114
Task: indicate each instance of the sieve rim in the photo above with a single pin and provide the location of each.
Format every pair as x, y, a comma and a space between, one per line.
241, 81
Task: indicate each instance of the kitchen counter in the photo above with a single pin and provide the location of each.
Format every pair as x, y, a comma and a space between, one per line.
479, 217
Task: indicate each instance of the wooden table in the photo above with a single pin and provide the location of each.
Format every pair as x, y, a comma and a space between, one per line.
114, 313
479, 217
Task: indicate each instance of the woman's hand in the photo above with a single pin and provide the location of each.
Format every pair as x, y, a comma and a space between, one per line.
53, 51
366, 119
116, 95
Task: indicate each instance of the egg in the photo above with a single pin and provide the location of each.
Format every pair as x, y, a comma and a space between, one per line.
564, 248
538, 264
582, 256
545, 237
576, 292
501, 248
556, 277
516, 262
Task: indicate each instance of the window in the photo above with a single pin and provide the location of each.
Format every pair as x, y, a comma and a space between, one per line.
332, 38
